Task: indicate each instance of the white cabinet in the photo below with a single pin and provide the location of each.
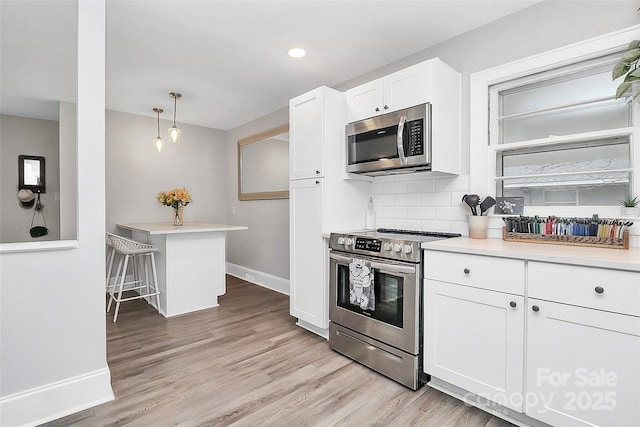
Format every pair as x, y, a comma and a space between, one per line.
583, 366
402, 89
566, 352
306, 127
474, 337
583, 345
308, 267
321, 199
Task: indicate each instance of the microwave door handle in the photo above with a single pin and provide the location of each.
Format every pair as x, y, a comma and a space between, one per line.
403, 158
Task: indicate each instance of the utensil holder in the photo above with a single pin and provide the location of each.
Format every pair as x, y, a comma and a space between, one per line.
478, 226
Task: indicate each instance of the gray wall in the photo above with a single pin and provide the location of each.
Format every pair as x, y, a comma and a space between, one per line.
34, 137
265, 247
136, 172
542, 27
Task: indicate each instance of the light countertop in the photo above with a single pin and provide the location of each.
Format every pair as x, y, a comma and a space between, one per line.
188, 227
622, 259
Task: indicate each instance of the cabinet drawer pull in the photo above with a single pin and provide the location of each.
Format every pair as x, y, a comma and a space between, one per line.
535, 308
513, 304
386, 107
317, 172
317, 182
599, 290
377, 108
467, 271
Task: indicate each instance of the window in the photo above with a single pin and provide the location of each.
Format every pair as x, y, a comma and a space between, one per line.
548, 127
561, 138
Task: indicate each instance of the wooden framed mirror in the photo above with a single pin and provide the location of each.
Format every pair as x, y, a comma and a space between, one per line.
263, 165
31, 173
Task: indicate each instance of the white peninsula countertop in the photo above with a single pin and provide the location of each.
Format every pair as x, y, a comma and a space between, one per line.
188, 227
622, 259
190, 262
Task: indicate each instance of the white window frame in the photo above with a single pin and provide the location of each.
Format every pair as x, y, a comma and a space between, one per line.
483, 169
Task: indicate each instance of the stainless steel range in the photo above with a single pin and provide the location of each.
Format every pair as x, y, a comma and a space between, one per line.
375, 309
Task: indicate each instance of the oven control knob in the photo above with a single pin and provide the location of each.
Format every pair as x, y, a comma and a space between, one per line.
341, 240
348, 241
388, 247
408, 249
397, 247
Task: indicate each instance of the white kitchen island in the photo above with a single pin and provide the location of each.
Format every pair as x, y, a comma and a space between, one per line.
190, 263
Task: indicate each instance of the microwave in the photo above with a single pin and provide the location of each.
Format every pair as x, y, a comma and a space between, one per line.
396, 142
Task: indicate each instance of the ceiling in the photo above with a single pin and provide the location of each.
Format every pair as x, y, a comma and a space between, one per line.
228, 59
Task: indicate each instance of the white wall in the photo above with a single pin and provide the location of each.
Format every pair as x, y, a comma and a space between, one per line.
33, 137
265, 246
136, 172
52, 322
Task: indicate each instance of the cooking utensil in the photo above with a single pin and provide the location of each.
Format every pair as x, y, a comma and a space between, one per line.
486, 204
472, 200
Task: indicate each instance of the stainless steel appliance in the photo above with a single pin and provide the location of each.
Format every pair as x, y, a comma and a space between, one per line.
386, 335
391, 143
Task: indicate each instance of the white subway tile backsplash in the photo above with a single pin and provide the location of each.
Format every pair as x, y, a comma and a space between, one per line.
409, 199
408, 224
458, 183
384, 200
452, 213
420, 201
435, 199
396, 187
421, 212
432, 225
396, 212
421, 186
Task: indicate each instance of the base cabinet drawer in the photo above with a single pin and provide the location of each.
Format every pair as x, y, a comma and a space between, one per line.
474, 339
583, 366
610, 290
497, 274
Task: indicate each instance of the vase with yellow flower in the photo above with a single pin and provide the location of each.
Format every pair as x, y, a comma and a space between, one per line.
176, 199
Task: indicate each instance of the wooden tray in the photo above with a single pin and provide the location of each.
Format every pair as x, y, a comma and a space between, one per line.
550, 239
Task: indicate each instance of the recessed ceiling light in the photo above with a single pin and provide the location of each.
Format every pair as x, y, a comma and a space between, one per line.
297, 52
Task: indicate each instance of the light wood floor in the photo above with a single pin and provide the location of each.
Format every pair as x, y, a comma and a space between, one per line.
245, 363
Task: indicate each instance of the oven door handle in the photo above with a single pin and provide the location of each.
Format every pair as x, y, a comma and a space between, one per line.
380, 266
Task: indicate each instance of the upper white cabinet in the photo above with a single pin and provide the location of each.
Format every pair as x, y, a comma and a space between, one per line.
307, 122
427, 81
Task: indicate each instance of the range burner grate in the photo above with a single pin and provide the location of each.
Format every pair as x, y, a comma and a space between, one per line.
419, 233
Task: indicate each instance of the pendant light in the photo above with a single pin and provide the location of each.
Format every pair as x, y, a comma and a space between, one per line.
174, 131
158, 141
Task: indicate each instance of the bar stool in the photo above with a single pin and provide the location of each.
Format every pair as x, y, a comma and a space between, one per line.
129, 251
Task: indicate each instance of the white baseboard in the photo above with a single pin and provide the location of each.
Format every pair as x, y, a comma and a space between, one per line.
265, 280
56, 400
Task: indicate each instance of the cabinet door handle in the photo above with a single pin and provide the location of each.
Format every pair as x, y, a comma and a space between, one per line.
535, 308
513, 304
467, 271
317, 182
386, 107
317, 172
377, 108
599, 290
